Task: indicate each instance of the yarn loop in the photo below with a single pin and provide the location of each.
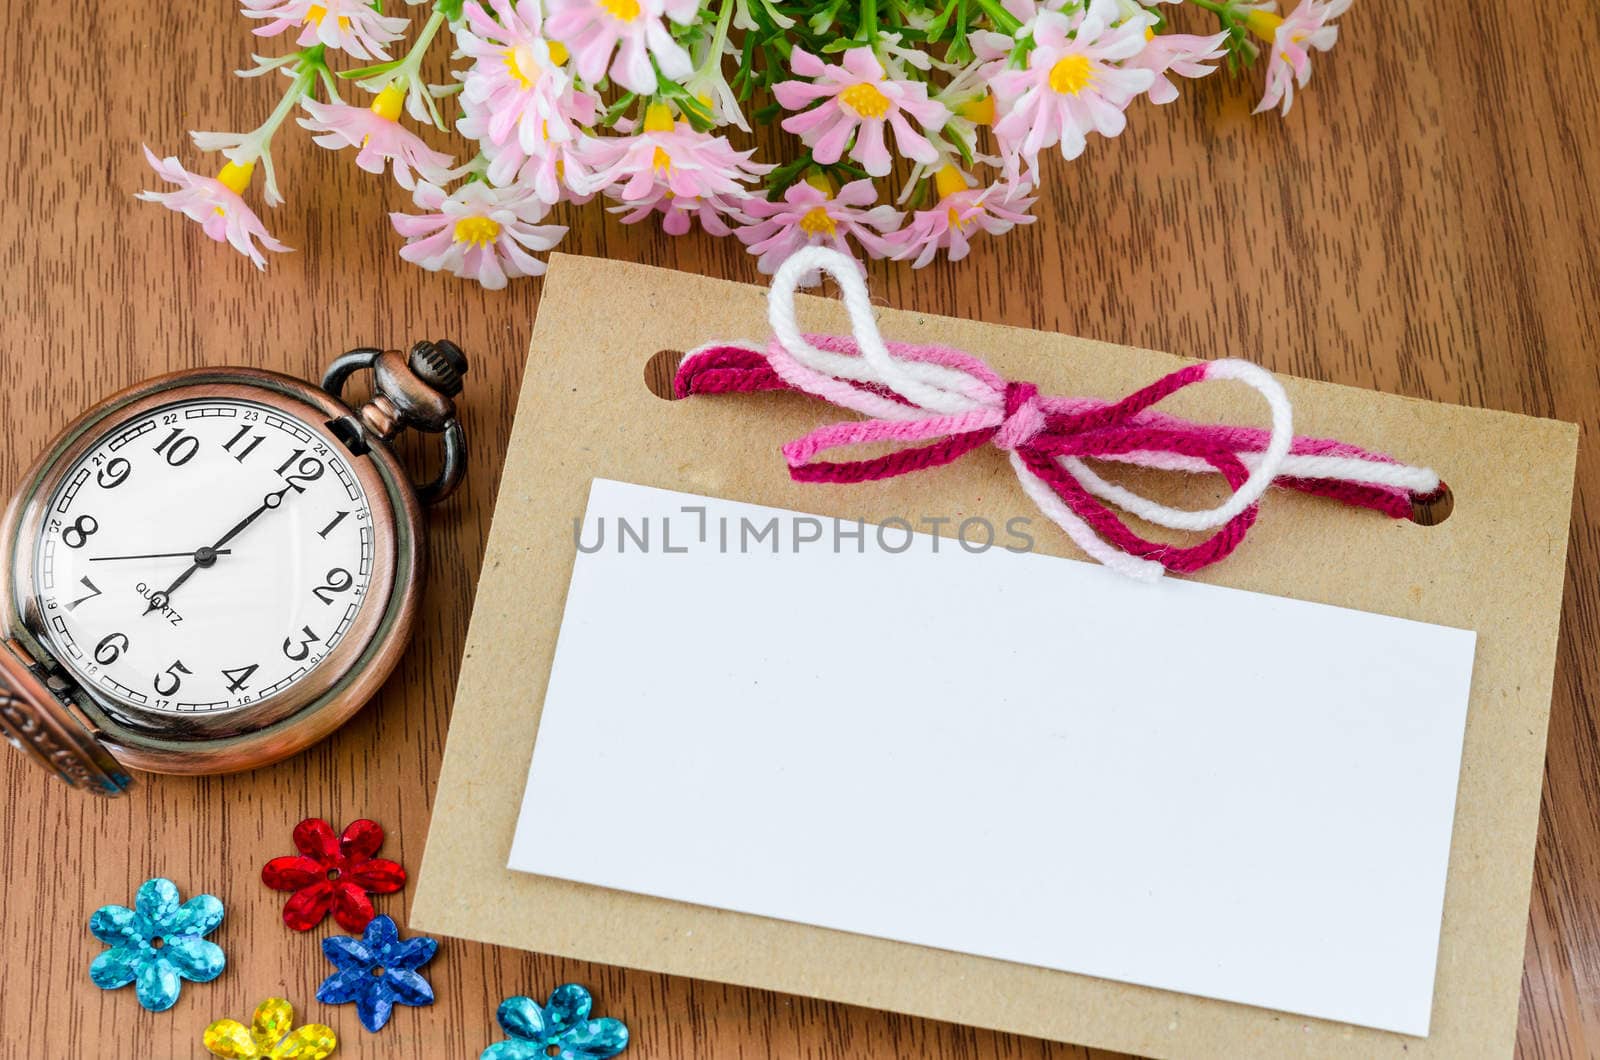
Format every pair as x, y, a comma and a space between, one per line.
943, 403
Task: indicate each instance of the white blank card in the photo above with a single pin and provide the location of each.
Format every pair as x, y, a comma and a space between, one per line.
1004, 754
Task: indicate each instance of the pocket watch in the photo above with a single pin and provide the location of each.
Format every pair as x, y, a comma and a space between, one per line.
214, 569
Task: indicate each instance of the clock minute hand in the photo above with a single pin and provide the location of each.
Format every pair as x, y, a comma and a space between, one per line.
271, 501
205, 557
159, 555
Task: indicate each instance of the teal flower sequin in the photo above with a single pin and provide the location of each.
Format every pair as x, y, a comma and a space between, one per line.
559, 1028
157, 943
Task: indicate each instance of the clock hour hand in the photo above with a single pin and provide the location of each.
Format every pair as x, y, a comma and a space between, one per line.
160, 599
207, 556
162, 555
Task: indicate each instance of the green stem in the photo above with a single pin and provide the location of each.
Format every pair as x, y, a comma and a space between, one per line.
305, 76
413, 61
1003, 20
719, 39
867, 32
407, 72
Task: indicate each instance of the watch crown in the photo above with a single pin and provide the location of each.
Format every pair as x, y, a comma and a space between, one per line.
440, 364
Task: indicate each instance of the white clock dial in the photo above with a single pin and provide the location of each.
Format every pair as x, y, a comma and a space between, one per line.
203, 557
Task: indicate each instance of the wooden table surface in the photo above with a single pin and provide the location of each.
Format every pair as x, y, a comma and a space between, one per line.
1425, 222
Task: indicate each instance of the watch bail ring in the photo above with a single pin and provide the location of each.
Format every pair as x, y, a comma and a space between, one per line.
418, 392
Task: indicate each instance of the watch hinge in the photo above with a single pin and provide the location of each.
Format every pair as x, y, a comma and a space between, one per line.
47, 670
41, 720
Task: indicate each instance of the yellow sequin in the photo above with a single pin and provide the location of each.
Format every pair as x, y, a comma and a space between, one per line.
311, 1042
230, 1040
269, 1036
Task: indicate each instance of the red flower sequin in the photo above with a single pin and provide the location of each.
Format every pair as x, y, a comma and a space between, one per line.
333, 872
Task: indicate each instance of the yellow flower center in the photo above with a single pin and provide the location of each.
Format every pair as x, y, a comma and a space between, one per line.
521, 65
621, 10
1149, 33
1263, 24
866, 100
1071, 75
816, 222
979, 111
822, 182
479, 231
658, 118
949, 180
236, 177
389, 102
525, 67
316, 13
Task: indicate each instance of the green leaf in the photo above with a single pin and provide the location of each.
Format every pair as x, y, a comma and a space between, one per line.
780, 179
935, 29
701, 117
618, 109
369, 71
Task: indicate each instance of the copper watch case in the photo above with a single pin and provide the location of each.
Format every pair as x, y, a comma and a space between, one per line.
61, 732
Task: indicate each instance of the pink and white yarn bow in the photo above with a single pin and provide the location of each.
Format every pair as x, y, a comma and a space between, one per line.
953, 403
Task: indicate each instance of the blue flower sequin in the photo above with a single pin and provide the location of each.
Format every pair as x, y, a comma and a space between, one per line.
377, 971
157, 943
559, 1028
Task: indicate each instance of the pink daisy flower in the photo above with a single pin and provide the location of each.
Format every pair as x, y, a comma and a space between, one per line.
478, 232
215, 202
995, 209
679, 212
351, 26
670, 154
1184, 54
1291, 40
857, 99
1071, 87
593, 29
377, 132
811, 214
519, 82
551, 173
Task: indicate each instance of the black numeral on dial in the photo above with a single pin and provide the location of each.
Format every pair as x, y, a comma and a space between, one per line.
337, 519
114, 474
179, 448
110, 649
237, 678
94, 591
339, 580
245, 450
303, 650
308, 470
78, 534
173, 671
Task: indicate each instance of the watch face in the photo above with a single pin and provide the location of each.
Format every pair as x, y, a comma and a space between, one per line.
204, 556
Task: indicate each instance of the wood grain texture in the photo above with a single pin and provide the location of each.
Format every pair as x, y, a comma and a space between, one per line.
1425, 223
